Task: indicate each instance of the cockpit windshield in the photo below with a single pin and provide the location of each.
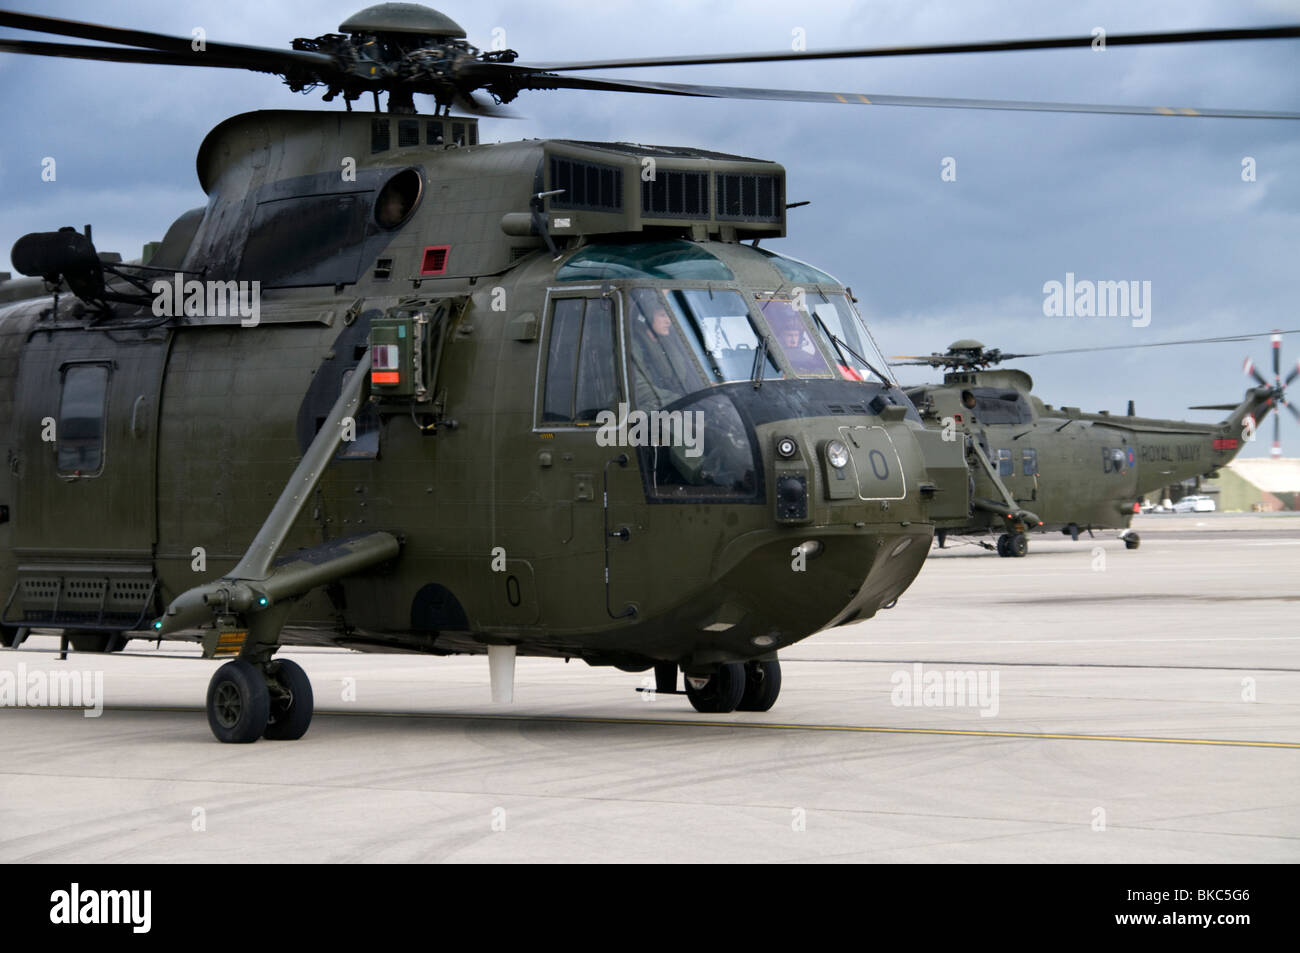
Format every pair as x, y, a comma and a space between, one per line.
838, 323
792, 334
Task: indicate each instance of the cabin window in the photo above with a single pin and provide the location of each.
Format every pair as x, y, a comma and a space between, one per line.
1005, 466
79, 443
581, 362
1029, 460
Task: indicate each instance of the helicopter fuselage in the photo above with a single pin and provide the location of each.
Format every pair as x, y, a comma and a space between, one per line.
1067, 468
501, 452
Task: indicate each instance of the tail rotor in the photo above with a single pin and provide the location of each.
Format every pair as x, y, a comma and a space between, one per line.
1277, 390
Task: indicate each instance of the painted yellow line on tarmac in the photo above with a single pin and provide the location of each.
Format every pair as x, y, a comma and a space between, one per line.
768, 725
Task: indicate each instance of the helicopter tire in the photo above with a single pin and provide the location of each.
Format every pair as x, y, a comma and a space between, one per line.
1132, 541
665, 677
1018, 545
721, 693
290, 713
239, 703
762, 686
1004, 548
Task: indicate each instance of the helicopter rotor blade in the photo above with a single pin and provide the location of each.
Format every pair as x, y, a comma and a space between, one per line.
1277, 357
876, 99
991, 46
260, 58
1295, 412
1222, 339
1253, 371
1293, 375
118, 54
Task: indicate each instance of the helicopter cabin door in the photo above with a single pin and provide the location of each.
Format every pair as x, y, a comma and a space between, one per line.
85, 522
589, 482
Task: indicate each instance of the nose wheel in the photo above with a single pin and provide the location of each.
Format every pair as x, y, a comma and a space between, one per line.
762, 686
1013, 544
720, 692
239, 703
246, 702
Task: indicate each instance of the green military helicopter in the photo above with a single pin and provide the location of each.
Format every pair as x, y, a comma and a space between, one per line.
396, 389
1030, 467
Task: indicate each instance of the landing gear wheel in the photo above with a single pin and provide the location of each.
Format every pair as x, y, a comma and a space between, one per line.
762, 685
1018, 545
722, 691
1132, 541
1003, 548
239, 703
13, 636
665, 676
290, 713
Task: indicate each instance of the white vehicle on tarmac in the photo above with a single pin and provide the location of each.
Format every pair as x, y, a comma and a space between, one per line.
1194, 504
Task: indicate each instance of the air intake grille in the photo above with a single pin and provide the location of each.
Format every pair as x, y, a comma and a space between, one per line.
673, 194
408, 133
755, 198
379, 135
586, 185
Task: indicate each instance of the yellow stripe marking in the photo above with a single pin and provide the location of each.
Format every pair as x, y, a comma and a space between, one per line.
1165, 111
771, 726
864, 99
841, 98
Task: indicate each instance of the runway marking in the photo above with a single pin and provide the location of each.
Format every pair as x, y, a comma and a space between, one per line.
769, 726
1262, 638
987, 662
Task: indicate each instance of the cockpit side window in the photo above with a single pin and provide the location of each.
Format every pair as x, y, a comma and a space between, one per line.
581, 362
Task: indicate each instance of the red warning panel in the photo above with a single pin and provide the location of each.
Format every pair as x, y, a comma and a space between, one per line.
434, 261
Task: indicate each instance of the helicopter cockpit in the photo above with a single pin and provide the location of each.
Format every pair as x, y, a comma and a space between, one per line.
698, 319
772, 313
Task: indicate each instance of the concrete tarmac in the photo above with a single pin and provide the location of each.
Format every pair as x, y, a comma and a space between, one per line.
1093, 704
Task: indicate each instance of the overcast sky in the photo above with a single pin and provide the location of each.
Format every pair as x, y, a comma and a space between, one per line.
1036, 196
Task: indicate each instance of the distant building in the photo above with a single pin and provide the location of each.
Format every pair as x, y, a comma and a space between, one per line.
1258, 484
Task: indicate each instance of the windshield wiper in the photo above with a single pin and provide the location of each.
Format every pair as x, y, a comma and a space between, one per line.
841, 347
760, 359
